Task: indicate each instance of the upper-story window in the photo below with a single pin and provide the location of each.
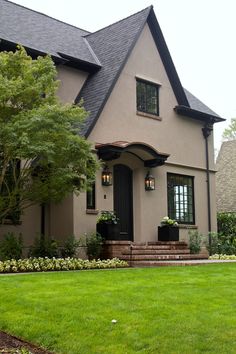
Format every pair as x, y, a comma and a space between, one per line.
147, 97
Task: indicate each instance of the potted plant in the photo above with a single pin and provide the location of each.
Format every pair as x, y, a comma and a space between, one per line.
108, 225
168, 231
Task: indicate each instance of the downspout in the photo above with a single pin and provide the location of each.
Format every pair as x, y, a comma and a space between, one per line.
206, 131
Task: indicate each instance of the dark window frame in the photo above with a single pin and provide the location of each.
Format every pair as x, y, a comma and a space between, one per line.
142, 99
184, 201
91, 198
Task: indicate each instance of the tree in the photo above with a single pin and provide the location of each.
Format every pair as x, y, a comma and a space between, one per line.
230, 132
42, 156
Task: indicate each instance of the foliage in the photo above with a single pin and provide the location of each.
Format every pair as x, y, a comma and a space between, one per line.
221, 244
169, 222
42, 156
230, 132
216, 256
195, 242
46, 264
108, 217
11, 246
44, 247
195, 306
226, 223
70, 246
93, 242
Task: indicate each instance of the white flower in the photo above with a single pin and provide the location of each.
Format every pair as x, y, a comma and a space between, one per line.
114, 321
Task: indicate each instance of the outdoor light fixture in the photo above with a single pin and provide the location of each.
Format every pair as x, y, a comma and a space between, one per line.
106, 177
149, 182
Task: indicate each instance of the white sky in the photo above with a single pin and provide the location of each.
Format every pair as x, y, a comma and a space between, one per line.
200, 35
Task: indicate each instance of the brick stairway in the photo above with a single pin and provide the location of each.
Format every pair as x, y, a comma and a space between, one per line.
152, 253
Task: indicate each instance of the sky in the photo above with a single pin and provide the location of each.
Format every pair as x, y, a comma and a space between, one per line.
200, 35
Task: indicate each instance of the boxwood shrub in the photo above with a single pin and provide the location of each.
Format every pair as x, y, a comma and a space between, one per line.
57, 264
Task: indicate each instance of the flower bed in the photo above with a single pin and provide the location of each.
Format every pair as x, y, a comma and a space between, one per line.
57, 264
223, 256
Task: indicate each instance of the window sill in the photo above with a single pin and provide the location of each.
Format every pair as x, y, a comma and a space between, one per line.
148, 115
187, 226
9, 222
92, 211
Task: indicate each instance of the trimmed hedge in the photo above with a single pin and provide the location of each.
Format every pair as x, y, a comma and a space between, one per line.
57, 264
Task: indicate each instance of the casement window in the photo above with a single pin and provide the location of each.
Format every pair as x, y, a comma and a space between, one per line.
147, 97
91, 198
180, 190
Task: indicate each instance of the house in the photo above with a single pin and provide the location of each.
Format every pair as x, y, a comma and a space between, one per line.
143, 124
226, 178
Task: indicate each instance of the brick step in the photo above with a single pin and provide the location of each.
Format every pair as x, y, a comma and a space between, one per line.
158, 257
160, 247
164, 263
156, 251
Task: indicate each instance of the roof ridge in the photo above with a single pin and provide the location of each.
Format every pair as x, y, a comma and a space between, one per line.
41, 13
125, 18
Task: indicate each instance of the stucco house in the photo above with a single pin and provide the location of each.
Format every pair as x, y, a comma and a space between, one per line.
141, 122
226, 178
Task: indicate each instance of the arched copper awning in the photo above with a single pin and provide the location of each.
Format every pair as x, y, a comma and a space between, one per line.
144, 152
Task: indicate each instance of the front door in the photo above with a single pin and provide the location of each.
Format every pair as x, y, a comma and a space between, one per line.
123, 200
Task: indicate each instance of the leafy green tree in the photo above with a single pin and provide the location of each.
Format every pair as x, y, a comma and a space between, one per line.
230, 132
42, 156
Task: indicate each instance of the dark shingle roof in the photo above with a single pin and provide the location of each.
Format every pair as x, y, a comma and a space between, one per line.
107, 49
198, 105
41, 32
226, 177
112, 45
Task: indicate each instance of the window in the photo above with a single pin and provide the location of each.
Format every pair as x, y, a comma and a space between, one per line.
180, 198
147, 97
91, 198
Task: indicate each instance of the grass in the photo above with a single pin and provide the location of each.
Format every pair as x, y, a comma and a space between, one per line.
174, 310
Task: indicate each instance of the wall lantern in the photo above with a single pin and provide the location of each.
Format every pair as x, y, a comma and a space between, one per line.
106, 177
149, 182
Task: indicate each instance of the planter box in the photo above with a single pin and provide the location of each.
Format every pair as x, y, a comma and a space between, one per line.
168, 233
109, 231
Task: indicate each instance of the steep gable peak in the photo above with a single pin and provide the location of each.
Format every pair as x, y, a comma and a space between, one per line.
147, 9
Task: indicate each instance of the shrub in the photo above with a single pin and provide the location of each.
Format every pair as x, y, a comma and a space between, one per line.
44, 247
226, 223
223, 256
11, 246
57, 264
70, 247
195, 241
93, 242
222, 244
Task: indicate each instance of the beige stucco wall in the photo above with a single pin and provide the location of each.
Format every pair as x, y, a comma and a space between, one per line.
181, 137
71, 82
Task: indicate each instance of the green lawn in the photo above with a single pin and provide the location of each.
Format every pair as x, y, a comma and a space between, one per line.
158, 310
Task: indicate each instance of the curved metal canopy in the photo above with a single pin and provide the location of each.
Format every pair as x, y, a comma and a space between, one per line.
147, 154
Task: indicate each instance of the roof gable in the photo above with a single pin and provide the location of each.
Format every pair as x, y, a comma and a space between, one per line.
113, 45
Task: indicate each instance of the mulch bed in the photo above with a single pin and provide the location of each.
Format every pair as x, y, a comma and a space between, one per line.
12, 345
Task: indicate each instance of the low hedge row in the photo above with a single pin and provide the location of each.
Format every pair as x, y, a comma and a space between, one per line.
56, 264
223, 256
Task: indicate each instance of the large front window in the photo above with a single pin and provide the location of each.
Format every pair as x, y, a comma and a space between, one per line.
180, 198
147, 97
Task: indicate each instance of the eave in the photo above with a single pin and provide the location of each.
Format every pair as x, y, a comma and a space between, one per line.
200, 116
61, 58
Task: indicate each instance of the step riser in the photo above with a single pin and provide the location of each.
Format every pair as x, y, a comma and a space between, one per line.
155, 252
162, 257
